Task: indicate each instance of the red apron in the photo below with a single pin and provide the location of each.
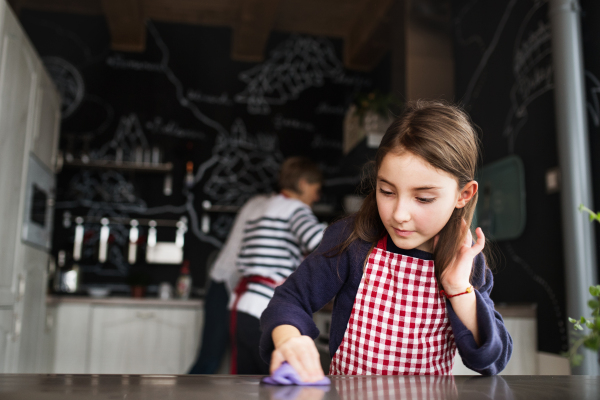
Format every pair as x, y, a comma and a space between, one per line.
398, 324
240, 289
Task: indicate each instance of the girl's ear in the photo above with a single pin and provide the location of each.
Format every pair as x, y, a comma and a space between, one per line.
467, 193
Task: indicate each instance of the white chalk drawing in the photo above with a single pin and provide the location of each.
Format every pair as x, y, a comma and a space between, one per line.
179, 90
320, 142
103, 187
117, 61
532, 69
68, 81
172, 128
593, 90
222, 100
242, 165
328, 109
128, 136
221, 225
488, 51
280, 122
299, 63
547, 288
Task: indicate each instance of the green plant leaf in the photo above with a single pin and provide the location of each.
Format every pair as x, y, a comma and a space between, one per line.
571, 320
595, 290
578, 327
590, 324
581, 206
593, 304
582, 320
592, 342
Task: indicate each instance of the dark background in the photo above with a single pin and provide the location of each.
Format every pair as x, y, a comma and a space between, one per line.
504, 78
185, 95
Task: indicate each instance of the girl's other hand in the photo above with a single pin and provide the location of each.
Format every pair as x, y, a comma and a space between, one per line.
299, 351
456, 276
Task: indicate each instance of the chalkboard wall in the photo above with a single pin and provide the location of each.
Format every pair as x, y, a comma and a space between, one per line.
504, 78
234, 121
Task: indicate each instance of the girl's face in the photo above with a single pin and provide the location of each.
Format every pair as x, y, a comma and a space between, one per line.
415, 200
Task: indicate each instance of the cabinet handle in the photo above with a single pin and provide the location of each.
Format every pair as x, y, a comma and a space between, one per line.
49, 322
17, 328
20, 287
145, 315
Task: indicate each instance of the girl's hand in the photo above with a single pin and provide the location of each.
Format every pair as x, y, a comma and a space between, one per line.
456, 277
299, 351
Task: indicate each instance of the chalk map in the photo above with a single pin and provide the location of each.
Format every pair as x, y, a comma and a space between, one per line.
237, 129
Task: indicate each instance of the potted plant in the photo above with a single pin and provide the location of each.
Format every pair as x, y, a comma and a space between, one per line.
368, 114
591, 339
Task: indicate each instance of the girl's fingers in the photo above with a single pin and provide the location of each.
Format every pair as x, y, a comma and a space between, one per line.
312, 364
480, 244
295, 362
468, 238
276, 360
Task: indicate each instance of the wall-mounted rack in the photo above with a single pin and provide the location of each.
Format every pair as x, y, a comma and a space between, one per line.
156, 252
174, 223
209, 207
121, 166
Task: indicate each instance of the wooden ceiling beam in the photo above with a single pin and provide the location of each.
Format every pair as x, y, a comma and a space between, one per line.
15, 6
126, 24
252, 28
87, 7
369, 38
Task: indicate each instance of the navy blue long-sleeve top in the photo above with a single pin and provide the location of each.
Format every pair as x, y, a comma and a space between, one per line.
321, 277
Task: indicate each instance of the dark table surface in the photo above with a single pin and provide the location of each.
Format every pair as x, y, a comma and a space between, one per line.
183, 387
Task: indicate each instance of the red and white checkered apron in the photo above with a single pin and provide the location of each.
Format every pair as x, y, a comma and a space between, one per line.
398, 324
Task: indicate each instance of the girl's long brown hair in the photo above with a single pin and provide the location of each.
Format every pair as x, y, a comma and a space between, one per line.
443, 135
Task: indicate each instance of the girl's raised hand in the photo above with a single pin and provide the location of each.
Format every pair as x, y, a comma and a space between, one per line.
299, 351
456, 277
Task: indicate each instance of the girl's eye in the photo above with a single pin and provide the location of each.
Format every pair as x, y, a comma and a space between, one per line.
426, 200
385, 192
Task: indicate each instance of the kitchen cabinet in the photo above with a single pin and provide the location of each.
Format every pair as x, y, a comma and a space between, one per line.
6, 329
126, 336
29, 128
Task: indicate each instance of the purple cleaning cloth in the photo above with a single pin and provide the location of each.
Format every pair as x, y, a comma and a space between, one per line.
287, 375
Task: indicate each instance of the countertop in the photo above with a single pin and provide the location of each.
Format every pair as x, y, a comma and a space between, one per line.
183, 387
125, 301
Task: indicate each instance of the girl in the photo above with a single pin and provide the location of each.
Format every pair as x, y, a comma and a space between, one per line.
410, 286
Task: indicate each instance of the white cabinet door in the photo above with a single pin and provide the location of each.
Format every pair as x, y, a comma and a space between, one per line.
143, 340
32, 306
6, 330
48, 341
47, 122
73, 322
17, 93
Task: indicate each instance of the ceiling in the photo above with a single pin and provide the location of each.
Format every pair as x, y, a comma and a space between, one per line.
364, 25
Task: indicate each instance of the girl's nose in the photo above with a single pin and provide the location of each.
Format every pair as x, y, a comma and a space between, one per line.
401, 213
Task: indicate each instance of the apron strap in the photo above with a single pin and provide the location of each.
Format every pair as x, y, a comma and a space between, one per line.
242, 288
382, 244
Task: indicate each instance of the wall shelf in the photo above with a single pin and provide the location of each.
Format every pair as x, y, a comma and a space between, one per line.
121, 166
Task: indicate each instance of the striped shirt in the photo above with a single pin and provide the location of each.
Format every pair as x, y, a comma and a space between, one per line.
276, 237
